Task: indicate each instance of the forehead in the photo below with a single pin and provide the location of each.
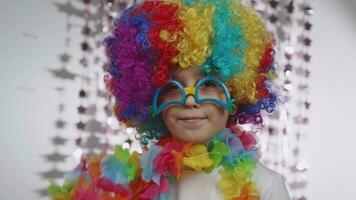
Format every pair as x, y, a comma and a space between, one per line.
190, 73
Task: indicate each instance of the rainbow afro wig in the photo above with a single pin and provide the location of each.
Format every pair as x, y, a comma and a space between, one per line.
152, 38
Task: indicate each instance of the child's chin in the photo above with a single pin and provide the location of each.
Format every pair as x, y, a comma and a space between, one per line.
196, 135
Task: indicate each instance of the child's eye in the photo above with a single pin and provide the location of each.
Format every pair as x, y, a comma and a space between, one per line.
169, 92
210, 88
209, 84
170, 89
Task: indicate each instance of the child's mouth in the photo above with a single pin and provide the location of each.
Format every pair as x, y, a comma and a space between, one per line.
192, 120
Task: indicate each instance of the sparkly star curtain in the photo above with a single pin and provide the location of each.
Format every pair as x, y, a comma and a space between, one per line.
57, 157
80, 71
283, 138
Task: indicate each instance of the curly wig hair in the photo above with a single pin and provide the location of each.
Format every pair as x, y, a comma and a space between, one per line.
151, 39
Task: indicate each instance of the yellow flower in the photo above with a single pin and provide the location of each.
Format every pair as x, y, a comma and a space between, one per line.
198, 158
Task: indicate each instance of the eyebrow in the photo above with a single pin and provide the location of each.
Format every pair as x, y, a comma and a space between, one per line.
196, 74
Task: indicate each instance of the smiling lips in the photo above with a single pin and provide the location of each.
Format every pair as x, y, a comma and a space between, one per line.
192, 120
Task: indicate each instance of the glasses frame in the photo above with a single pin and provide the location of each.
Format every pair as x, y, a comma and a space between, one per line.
192, 90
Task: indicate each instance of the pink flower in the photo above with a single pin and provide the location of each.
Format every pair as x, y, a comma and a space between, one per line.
249, 140
165, 162
107, 185
87, 194
154, 190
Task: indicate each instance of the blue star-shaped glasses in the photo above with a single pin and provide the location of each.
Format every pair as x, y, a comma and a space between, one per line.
208, 89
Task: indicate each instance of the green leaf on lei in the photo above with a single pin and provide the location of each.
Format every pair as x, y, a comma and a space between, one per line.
217, 153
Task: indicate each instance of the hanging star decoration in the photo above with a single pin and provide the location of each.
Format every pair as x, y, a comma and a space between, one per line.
93, 142
58, 140
81, 109
80, 125
62, 73
94, 126
55, 157
307, 41
42, 192
307, 26
60, 124
290, 7
82, 93
64, 58
69, 9
273, 4
53, 173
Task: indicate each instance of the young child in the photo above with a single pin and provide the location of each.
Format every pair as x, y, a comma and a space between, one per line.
185, 74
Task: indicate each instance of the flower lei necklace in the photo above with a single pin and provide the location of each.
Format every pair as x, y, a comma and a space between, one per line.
150, 175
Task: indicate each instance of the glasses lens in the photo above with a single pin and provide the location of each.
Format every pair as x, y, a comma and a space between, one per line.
169, 93
211, 89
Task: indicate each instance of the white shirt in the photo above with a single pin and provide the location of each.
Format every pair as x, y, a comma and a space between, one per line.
200, 185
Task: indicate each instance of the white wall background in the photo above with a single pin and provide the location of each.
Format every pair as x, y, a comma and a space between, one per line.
332, 131
28, 102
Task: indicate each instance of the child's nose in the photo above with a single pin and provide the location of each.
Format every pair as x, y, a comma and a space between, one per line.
190, 101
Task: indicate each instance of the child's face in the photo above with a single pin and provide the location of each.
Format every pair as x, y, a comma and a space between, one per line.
193, 122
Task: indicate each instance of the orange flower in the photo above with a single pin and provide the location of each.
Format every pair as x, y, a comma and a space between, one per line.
245, 193
94, 166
